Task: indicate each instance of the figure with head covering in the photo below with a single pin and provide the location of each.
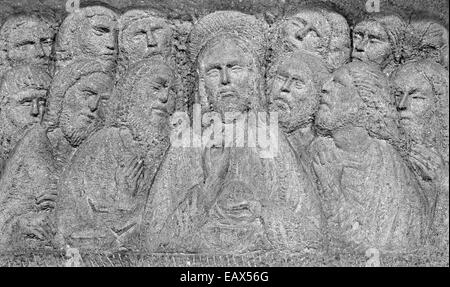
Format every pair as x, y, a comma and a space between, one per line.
431, 38
27, 186
143, 34
378, 39
90, 32
104, 192
316, 29
76, 105
422, 102
368, 193
27, 39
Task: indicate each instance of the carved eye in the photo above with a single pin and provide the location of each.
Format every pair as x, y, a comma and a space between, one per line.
88, 93
25, 102
140, 33
299, 84
25, 43
415, 94
236, 68
280, 78
100, 30
358, 35
212, 72
374, 39
46, 41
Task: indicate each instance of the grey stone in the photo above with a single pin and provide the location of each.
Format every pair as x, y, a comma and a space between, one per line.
367, 190
422, 101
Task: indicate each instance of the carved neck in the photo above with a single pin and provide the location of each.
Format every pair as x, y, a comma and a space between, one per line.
352, 139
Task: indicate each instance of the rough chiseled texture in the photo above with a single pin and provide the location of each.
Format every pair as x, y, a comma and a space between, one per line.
89, 103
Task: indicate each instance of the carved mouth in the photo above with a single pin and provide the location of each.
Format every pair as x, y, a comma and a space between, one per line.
160, 110
228, 93
282, 104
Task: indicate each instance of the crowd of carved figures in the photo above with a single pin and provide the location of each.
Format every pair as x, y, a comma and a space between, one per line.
86, 159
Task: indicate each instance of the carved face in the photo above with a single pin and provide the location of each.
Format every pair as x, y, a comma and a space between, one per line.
154, 101
307, 31
97, 36
82, 107
227, 77
371, 42
145, 37
340, 102
26, 107
30, 42
414, 99
292, 93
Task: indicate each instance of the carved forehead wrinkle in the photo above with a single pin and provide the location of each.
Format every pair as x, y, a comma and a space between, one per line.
131, 17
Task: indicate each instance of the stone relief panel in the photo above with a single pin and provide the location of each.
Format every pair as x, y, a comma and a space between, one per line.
89, 107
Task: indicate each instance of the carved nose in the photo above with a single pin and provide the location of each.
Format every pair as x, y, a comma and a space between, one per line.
163, 96
94, 102
225, 79
403, 105
34, 108
360, 45
286, 87
151, 41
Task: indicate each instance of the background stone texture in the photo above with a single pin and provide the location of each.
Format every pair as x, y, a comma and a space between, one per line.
196, 8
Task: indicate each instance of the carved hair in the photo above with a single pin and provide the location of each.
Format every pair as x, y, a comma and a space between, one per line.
257, 98
125, 93
246, 31
336, 44
63, 81
15, 80
246, 27
395, 28
128, 18
15, 20
379, 117
437, 123
67, 46
429, 37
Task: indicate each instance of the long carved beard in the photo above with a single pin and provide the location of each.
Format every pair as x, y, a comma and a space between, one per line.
153, 140
77, 135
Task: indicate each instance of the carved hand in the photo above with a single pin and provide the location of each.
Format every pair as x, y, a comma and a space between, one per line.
214, 180
36, 226
426, 161
129, 176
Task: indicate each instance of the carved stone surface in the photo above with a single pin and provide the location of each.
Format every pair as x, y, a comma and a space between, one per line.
27, 38
115, 123
422, 101
365, 185
104, 191
27, 171
88, 33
